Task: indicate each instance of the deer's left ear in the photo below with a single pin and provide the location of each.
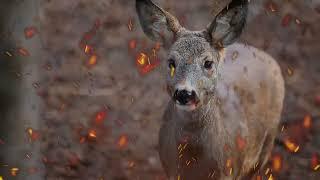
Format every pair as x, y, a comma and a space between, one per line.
228, 24
156, 23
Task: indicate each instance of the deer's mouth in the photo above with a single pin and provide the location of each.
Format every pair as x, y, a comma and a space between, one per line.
190, 106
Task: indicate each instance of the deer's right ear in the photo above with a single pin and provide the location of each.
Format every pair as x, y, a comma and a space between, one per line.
157, 24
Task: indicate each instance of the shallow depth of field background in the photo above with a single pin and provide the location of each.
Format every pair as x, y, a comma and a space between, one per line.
101, 121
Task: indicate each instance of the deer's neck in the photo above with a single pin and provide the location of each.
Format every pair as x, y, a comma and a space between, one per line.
202, 117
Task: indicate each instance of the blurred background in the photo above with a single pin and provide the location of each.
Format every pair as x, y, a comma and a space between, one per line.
76, 103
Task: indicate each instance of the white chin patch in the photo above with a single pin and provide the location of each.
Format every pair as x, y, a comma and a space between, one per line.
186, 107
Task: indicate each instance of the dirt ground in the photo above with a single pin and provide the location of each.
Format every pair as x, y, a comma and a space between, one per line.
100, 120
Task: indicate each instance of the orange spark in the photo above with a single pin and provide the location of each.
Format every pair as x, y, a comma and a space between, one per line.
23, 52
29, 32
286, 20
130, 25
307, 121
92, 134
33, 134
142, 59
14, 171
315, 163
241, 143
123, 141
291, 146
271, 6
270, 177
259, 177
132, 44
88, 49
276, 163
100, 117
92, 60
131, 164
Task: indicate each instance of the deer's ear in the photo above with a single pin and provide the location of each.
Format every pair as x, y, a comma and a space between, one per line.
157, 24
229, 23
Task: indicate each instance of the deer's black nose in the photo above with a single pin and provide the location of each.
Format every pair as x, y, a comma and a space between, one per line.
184, 97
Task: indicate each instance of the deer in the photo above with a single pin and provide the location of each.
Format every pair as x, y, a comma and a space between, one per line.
226, 98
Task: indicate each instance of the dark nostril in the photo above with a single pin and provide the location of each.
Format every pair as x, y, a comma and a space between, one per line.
184, 96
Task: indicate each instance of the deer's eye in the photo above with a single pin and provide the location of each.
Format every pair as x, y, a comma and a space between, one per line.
208, 64
172, 64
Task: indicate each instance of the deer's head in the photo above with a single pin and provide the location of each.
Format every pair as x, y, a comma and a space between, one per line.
194, 56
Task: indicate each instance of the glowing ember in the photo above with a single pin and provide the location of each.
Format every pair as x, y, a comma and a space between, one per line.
286, 20
276, 163
92, 134
271, 6
290, 71
132, 44
33, 134
123, 141
291, 146
82, 140
100, 117
241, 143
307, 121
229, 166
131, 164
8, 54
148, 68
315, 162
29, 32
270, 177
92, 60
23, 52
130, 25
88, 49
142, 59
14, 171
259, 177
298, 21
